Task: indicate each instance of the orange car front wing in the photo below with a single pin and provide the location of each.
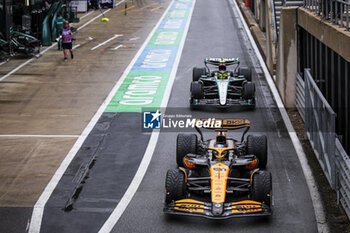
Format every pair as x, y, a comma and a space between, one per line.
205, 209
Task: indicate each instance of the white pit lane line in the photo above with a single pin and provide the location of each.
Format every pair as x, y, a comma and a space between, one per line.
38, 210
106, 41
54, 44
309, 177
130, 192
4, 62
135, 38
119, 46
38, 136
87, 14
76, 46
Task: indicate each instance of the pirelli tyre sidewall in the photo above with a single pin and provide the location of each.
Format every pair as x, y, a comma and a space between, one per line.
246, 72
261, 190
198, 72
257, 145
185, 144
248, 90
175, 186
196, 90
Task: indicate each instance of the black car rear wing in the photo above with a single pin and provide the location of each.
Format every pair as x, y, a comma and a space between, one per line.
217, 61
223, 124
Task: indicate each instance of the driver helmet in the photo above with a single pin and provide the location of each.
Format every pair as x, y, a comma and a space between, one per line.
219, 146
222, 67
221, 138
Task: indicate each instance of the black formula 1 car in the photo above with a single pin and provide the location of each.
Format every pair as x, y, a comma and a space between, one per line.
222, 87
221, 177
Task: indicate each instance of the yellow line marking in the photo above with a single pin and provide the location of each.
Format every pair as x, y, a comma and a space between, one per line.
157, 8
129, 8
149, 5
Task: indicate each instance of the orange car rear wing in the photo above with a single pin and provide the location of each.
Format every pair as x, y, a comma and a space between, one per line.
222, 124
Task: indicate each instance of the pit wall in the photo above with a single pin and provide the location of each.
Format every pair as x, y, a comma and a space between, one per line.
281, 55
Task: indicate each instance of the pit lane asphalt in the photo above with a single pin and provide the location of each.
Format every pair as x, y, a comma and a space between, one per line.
50, 97
215, 31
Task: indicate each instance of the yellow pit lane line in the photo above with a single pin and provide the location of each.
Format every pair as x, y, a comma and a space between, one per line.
133, 6
157, 8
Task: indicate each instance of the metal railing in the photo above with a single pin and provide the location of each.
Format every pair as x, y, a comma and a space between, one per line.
319, 120
274, 24
336, 11
320, 126
343, 177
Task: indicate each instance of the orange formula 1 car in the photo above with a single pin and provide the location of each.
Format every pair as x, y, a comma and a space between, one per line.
221, 177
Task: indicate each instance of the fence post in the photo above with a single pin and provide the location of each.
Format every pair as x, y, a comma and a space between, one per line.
307, 104
331, 148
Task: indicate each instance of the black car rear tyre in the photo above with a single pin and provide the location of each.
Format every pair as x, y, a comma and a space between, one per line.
198, 72
196, 90
246, 72
257, 145
185, 144
248, 91
262, 187
175, 186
